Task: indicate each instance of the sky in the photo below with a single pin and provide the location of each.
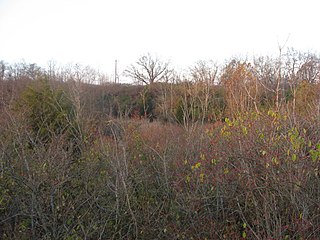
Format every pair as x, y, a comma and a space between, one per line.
97, 32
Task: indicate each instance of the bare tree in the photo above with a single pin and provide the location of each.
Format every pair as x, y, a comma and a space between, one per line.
266, 71
148, 70
204, 71
204, 75
310, 70
301, 72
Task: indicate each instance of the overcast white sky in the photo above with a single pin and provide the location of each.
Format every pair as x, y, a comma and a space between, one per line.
97, 32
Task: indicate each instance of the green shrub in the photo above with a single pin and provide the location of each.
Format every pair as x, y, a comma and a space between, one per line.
49, 111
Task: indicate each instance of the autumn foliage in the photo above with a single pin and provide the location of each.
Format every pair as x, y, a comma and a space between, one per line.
221, 152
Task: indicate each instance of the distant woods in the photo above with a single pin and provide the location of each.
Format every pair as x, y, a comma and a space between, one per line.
204, 92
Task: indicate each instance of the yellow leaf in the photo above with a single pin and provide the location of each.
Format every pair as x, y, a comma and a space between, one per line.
201, 177
188, 179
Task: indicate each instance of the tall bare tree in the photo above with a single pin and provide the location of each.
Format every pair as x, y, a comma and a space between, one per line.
148, 70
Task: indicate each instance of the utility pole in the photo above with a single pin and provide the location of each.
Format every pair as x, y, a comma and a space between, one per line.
116, 77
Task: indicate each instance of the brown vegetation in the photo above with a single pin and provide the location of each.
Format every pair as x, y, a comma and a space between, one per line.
218, 153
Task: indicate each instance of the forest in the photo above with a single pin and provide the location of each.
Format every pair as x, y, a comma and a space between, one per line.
216, 151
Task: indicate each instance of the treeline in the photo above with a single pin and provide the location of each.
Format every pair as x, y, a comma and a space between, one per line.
206, 92
233, 151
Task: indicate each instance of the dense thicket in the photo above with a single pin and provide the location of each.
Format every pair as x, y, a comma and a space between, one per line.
219, 152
